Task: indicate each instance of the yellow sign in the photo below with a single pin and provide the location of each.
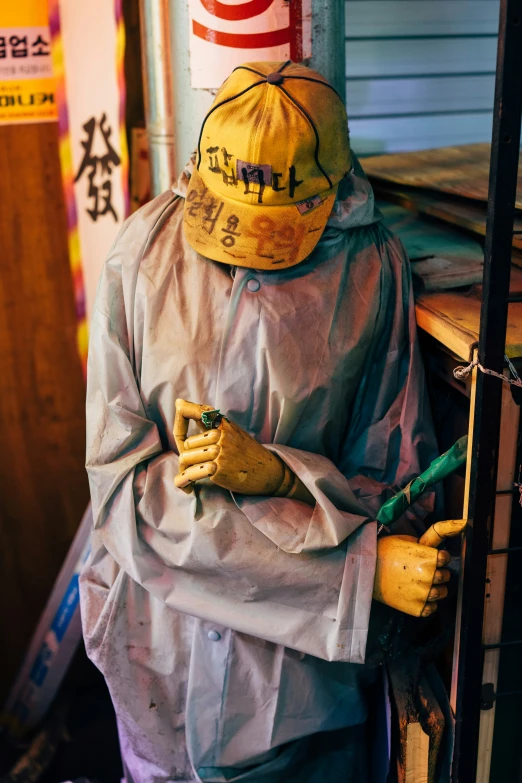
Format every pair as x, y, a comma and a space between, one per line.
27, 86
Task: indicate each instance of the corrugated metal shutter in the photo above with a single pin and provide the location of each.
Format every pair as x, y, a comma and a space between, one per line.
419, 73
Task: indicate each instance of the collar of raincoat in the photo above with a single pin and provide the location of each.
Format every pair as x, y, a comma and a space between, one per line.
354, 207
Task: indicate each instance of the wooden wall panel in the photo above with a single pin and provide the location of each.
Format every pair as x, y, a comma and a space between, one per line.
43, 487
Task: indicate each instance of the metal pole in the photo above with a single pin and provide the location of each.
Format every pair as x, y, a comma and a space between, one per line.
191, 105
328, 42
493, 322
157, 80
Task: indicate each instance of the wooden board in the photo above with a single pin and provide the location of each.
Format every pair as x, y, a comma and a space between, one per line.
460, 171
453, 319
497, 571
43, 487
450, 319
419, 720
465, 515
441, 257
417, 754
423, 237
467, 214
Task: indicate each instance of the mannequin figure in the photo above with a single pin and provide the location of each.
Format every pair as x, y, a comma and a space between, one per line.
228, 595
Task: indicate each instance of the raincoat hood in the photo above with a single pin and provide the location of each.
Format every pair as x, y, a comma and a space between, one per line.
355, 203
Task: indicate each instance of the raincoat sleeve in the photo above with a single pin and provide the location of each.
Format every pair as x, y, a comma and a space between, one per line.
389, 438
198, 553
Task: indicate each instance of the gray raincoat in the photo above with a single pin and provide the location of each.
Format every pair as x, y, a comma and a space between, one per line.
231, 630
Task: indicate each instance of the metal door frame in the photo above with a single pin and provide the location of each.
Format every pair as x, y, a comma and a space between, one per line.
487, 414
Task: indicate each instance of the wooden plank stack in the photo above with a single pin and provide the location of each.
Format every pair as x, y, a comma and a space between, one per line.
449, 184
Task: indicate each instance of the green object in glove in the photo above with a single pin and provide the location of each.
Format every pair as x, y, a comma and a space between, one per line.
439, 469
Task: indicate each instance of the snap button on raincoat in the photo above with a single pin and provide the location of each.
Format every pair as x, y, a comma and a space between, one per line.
231, 628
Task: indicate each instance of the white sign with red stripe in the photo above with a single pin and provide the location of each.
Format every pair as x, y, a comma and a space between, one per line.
94, 95
224, 35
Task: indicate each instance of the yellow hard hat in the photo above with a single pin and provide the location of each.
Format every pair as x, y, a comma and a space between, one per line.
271, 152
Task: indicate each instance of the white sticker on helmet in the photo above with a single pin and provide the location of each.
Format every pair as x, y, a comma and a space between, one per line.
308, 204
260, 174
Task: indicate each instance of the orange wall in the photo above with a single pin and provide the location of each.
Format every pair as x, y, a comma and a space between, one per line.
43, 487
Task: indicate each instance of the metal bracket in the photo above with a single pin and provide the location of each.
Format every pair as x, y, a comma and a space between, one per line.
487, 696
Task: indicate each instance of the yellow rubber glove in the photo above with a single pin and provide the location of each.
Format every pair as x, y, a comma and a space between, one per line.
410, 575
229, 457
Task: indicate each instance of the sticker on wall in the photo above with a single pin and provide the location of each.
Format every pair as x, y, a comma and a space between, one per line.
224, 35
27, 85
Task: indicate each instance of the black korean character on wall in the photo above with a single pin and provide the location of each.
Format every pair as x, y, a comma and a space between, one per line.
3, 48
42, 48
100, 167
18, 46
